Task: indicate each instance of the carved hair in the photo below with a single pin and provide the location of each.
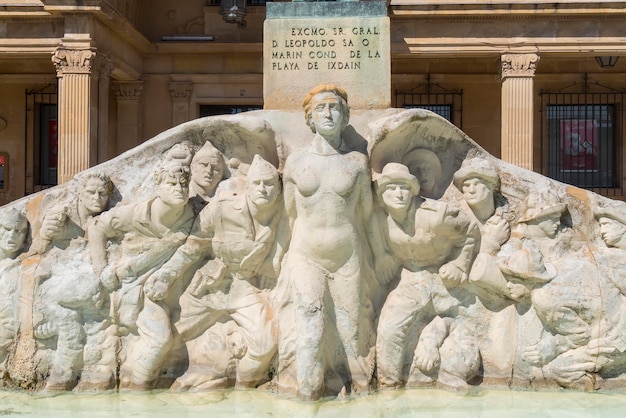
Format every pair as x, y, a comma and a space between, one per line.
326, 88
13, 219
105, 179
171, 168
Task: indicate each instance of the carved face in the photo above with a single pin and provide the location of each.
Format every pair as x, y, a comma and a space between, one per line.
11, 239
207, 171
94, 196
611, 231
549, 224
263, 188
174, 189
476, 191
326, 114
396, 196
425, 173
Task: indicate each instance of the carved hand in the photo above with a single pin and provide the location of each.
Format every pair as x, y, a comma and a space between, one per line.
427, 358
386, 268
157, 285
109, 279
52, 224
451, 273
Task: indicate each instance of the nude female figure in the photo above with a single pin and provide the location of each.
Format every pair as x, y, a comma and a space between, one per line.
327, 196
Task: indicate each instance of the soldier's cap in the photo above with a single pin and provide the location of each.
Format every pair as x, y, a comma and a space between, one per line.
397, 173
476, 167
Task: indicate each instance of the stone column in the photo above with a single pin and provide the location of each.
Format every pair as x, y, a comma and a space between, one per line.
518, 71
78, 110
181, 92
129, 132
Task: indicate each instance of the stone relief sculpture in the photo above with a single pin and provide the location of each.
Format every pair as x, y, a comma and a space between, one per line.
69, 318
13, 233
244, 239
433, 244
146, 234
385, 250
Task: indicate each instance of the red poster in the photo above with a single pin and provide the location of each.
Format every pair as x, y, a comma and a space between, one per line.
53, 144
579, 145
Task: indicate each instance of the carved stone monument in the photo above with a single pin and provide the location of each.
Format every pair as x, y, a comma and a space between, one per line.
325, 255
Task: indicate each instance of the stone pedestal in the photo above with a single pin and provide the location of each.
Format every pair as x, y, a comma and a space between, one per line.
311, 43
518, 71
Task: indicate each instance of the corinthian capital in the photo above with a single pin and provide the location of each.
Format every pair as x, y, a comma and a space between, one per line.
73, 61
180, 89
128, 90
519, 65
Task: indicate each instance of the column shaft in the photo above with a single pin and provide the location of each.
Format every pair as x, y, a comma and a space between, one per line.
518, 108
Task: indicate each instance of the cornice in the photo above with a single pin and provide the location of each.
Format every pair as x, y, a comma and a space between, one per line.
408, 9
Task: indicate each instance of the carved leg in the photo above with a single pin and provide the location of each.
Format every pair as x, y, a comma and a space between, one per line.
257, 328
309, 289
155, 340
67, 362
399, 313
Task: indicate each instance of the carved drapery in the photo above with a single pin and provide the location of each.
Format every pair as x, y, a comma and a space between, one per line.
78, 121
518, 72
128, 95
180, 93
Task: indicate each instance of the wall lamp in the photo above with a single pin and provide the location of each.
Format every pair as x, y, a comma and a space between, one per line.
234, 11
606, 61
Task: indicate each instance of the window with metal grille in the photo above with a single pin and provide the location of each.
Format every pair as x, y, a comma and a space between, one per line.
447, 103
445, 111
213, 110
582, 135
41, 138
581, 144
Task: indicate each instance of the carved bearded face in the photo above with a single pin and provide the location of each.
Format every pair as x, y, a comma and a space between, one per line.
11, 239
396, 196
263, 188
94, 195
476, 191
611, 231
207, 171
326, 114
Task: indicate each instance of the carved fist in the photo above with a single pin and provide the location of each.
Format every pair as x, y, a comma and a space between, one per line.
109, 279
427, 358
157, 285
451, 273
52, 224
498, 229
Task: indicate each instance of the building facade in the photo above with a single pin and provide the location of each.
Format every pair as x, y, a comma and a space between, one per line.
538, 84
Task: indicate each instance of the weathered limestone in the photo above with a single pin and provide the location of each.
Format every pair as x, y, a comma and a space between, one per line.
313, 264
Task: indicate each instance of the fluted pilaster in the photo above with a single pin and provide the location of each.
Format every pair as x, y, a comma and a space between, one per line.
518, 71
77, 110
